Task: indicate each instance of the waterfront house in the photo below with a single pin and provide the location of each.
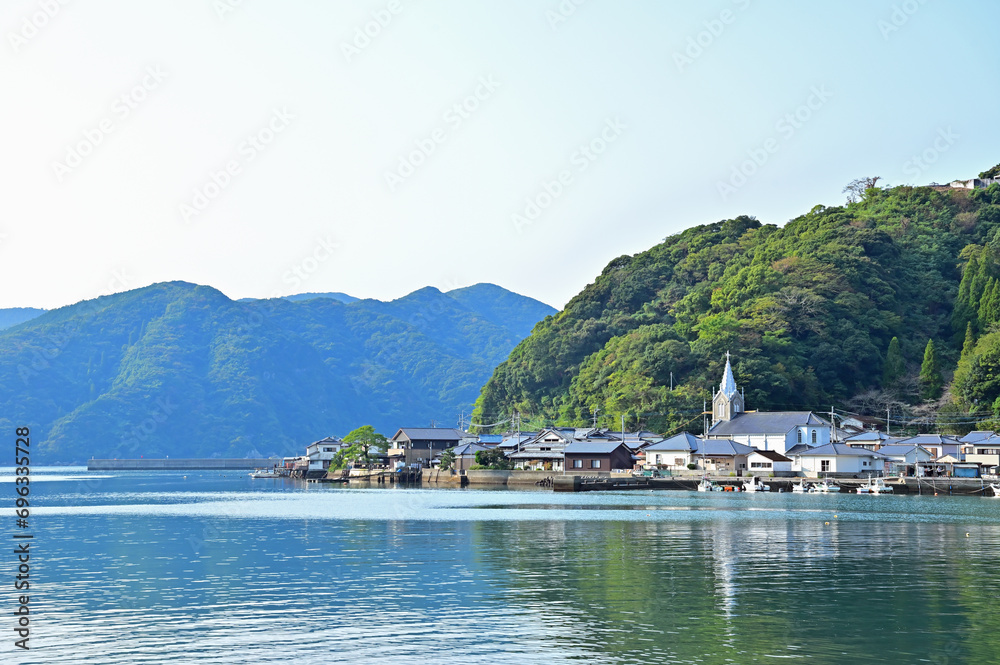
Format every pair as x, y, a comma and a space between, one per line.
596, 456
986, 453
543, 452
322, 452
490, 440
722, 455
419, 446
763, 430
672, 454
765, 462
938, 445
838, 459
905, 458
465, 455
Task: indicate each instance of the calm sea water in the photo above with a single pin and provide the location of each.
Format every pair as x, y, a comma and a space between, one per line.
209, 568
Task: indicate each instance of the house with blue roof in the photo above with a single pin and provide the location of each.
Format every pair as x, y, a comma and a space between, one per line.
838, 459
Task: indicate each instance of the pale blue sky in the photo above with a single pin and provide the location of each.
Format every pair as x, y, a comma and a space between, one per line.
308, 205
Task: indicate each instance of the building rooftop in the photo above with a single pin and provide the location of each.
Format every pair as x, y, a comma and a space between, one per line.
837, 449
766, 422
682, 441
592, 447
772, 455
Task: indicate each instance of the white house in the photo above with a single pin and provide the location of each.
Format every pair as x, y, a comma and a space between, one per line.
764, 462
838, 459
322, 452
672, 453
764, 430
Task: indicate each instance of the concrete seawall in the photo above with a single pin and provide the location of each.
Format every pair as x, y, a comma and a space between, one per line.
180, 464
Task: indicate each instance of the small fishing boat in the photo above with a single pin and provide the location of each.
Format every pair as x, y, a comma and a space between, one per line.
826, 487
801, 487
264, 473
706, 485
996, 491
875, 486
754, 485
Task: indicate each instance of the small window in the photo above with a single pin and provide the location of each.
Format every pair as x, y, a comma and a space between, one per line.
678, 461
595, 464
578, 464
800, 436
814, 436
824, 465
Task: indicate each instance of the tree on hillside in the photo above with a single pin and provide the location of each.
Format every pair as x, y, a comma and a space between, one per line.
991, 173
970, 341
895, 367
856, 189
367, 438
931, 381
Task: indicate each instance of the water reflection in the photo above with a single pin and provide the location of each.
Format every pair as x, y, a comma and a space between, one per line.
151, 570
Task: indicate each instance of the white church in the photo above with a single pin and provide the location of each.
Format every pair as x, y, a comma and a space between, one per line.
778, 431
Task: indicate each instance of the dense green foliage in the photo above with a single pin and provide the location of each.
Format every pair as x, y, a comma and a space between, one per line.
367, 438
493, 459
808, 311
181, 370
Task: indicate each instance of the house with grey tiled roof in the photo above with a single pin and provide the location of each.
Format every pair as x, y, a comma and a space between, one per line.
763, 430
722, 455
420, 445
937, 445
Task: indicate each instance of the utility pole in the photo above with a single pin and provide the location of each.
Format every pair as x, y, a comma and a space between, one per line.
595, 417
671, 382
833, 426
623, 428
887, 420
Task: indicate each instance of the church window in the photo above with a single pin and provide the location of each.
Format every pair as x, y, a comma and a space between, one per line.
814, 436
800, 436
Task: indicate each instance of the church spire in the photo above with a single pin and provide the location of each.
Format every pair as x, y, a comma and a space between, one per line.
728, 385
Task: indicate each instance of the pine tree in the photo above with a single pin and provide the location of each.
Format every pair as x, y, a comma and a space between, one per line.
970, 341
895, 366
965, 310
987, 306
931, 381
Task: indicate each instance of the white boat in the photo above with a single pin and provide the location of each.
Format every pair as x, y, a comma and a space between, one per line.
263, 473
706, 485
754, 485
996, 490
875, 486
826, 487
801, 487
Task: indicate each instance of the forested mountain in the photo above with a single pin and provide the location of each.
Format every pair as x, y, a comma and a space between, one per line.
808, 311
181, 370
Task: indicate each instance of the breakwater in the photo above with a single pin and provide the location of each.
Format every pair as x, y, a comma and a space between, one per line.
181, 464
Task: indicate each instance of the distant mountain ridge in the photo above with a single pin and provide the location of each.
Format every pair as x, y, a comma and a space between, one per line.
12, 316
177, 369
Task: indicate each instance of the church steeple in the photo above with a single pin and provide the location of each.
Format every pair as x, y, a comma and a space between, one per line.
728, 402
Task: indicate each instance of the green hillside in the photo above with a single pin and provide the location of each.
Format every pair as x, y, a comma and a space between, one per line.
808, 311
181, 370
